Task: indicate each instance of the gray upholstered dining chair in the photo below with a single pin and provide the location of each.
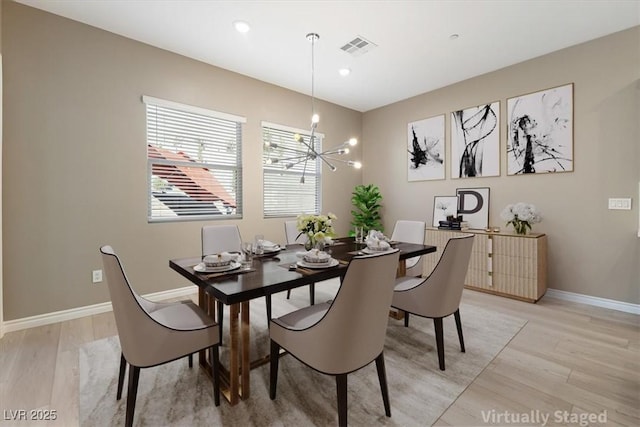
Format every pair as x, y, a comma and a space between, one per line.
152, 334
410, 232
343, 335
438, 295
220, 238
294, 237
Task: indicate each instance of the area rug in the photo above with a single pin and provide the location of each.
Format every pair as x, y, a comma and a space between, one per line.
174, 395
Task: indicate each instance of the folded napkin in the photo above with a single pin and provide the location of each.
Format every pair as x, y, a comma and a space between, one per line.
377, 241
315, 256
377, 235
269, 245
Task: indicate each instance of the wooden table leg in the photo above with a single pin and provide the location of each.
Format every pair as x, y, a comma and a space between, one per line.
402, 268
245, 367
235, 380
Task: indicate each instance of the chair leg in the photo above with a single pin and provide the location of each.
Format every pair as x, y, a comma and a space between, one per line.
456, 314
191, 360
220, 318
437, 322
341, 384
215, 363
274, 358
406, 319
123, 369
382, 377
267, 299
289, 294
312, 294
132, 392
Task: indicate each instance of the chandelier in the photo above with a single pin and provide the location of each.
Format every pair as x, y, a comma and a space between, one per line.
308, 149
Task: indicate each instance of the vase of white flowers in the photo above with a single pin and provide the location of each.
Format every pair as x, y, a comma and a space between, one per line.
317, 228
521, 216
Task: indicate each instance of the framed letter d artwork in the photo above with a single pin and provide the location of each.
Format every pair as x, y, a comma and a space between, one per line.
473, 205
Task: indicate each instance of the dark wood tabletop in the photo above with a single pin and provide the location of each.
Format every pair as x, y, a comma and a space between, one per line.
270, 274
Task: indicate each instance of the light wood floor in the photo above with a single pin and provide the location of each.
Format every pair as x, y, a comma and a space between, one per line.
569, 359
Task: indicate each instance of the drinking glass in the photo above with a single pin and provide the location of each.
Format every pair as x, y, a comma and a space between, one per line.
258, 248
247, 255
359, 234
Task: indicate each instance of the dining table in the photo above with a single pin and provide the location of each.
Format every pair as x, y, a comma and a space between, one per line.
268, 274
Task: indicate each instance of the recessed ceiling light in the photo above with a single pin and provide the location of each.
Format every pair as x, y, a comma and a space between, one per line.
454, 36
241, 26
344, 71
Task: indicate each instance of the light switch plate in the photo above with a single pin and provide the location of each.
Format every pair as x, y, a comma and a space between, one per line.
620, 204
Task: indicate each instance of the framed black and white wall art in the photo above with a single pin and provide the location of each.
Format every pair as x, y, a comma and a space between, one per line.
425, 149
540, 132
443, 206
473, 205
475, 141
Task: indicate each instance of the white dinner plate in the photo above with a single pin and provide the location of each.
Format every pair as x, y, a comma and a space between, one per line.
331, 263
373, 251
202, 268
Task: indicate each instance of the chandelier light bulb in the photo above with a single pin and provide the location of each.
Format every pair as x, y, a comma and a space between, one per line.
353, 142
356, 165
315, 119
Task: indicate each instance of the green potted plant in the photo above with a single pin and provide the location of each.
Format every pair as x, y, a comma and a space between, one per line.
366, 201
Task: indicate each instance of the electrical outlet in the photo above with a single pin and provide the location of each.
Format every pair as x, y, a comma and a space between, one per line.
96, 276
620, 204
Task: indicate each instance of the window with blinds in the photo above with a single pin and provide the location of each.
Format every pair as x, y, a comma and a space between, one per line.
284, 194
194, 162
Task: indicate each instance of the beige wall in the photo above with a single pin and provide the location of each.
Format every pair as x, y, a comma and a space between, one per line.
74, 165
74, 161
592, 250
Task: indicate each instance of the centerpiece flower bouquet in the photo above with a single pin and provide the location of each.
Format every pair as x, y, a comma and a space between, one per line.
317, 228
521, 216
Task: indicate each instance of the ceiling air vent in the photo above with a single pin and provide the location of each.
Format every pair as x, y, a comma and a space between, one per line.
358, 46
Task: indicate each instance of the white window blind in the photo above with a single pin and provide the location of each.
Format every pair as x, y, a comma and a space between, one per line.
284, 194
194, 162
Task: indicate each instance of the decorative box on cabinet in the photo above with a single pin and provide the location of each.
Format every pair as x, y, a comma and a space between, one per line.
504, 264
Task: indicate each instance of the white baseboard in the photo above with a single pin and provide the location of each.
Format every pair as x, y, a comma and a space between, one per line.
76, 313
595, 301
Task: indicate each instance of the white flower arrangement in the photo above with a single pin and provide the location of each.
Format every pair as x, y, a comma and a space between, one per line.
318, 228
521, 216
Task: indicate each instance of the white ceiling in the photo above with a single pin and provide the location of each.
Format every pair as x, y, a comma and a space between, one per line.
414, 52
